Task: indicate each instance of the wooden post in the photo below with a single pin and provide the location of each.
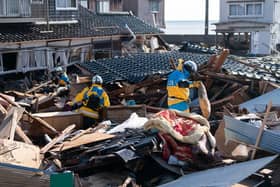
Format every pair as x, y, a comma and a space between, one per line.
261, 130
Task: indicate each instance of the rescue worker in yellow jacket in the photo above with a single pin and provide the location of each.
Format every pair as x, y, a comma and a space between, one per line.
180, 89
94, 101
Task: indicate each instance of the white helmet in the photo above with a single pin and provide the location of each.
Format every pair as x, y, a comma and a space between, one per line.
58, 69
190, 66
97, 79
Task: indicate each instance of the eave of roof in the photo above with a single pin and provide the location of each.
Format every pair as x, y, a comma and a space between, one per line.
89, 25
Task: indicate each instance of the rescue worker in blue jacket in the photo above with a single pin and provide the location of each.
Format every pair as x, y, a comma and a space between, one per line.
62, 81
94, 101
180, 89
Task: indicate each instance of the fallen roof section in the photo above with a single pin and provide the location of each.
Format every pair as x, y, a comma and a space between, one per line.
222, 176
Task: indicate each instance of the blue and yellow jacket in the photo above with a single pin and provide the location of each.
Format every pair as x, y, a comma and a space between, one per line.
64, 80
179, 98
90, 109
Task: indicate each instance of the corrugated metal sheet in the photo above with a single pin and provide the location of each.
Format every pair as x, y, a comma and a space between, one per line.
247, 133
259, 104
222, 176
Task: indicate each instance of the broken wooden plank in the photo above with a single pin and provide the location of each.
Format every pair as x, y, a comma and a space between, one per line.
9, 99
85, 139
3, 110
13, 125
81, 134
44, 124
222, 101
218, 93
66, 131
22, 135
8, 125
61, 120
18, 94
37, 87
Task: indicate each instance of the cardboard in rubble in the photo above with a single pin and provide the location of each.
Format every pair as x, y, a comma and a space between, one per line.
19, 153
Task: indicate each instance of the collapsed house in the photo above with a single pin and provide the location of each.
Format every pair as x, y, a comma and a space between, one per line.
52, 37
126, 146
134, 144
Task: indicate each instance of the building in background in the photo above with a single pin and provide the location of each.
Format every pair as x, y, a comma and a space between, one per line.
251, 25
41, 35
150, 11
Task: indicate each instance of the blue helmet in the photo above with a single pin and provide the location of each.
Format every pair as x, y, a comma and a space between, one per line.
190, 66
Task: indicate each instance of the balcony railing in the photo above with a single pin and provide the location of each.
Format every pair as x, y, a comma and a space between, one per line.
15, 8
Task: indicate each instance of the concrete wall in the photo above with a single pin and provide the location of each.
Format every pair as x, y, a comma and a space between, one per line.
260, 43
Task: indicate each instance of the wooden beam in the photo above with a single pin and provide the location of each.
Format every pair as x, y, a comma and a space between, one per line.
65, 132
37, 87
22, 135
8, 125
44, 124
3, 110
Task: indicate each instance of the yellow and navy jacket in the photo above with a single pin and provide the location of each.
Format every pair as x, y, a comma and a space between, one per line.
179, 98
90, 106
64, 80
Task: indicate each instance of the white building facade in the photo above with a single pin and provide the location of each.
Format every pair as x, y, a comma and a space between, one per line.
257, 20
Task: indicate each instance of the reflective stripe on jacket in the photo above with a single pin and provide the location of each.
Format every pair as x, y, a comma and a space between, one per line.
88, 112
179, 98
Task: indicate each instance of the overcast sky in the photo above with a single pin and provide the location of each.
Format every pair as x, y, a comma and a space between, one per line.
190, 9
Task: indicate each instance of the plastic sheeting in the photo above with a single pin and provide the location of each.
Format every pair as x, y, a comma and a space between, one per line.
133, 122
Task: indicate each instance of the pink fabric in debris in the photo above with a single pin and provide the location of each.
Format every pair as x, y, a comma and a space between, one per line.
182, 125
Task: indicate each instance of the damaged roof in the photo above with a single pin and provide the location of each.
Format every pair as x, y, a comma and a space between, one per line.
137, 67
89, 25
261, 68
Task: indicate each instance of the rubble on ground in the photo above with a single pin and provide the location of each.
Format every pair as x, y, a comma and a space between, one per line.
140, 142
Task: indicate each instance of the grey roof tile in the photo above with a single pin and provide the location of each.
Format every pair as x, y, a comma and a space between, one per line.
137, 67
89, 25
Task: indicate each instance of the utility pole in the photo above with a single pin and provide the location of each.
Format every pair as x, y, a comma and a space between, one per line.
206, 17
47, 15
